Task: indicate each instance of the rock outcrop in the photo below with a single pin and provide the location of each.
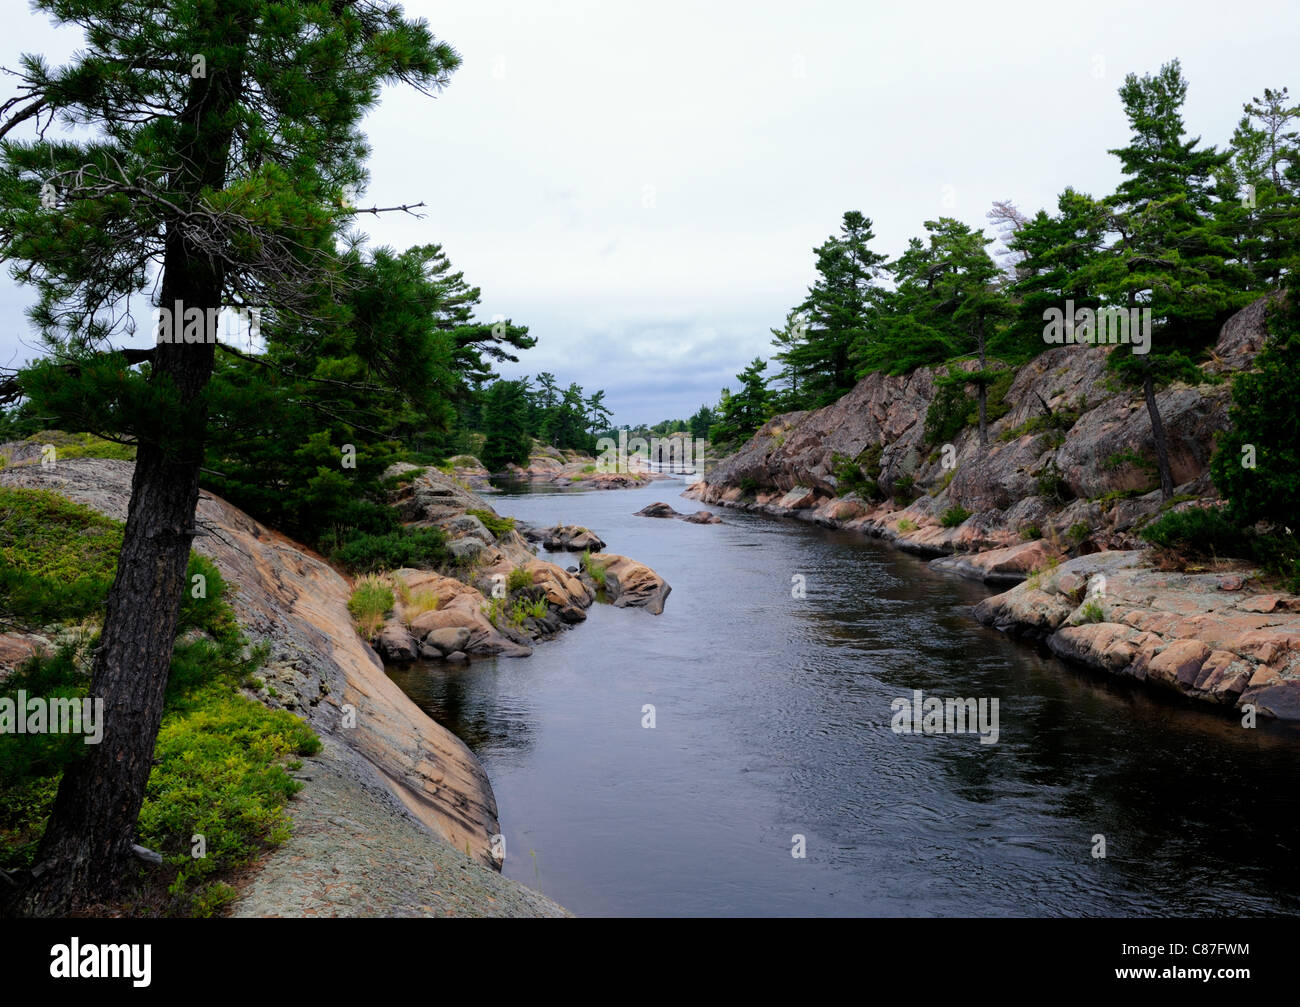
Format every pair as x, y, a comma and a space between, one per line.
1069, 461
565, 538
630, 584
1209, 636
319, 667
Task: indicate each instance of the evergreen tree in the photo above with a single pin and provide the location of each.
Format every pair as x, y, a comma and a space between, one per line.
741, 414
700, 423
505, 425
817, 352
1257, 464
218, 164
1169, 256
1056, 255
1260, 209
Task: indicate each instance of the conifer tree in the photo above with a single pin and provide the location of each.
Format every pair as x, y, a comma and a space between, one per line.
223, 138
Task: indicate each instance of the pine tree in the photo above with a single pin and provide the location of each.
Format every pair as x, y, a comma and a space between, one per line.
1170, 256
223, 137
1260, 209
505, 425
1056, 253
741, 414
833, 317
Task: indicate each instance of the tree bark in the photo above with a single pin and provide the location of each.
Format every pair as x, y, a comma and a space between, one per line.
86, 850
1158, 435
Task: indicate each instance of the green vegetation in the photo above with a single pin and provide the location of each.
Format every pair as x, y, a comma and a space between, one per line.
904, 489
1201, 533
1092, 612
853, 475
527, 608
596, 570
1035, 579
220, 761
1078, 532
1030, 533
57, 558
371, 602
498, 526
1051, 484
1127, 459
518, 579
954, 516
422, 548
943, 483
906, 524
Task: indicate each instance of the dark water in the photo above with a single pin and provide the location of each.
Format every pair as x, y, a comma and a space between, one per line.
773, 719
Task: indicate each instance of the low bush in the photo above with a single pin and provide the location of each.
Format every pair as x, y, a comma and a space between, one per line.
422, 548
494, 523
954, 516
371, 601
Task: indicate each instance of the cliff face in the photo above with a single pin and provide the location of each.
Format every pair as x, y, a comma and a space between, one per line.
1066, 471
319, 667
1094, 448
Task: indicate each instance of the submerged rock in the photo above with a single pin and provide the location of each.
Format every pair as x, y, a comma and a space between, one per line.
665, 511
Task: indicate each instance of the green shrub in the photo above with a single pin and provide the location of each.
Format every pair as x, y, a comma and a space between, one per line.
1128, 459
1199, 531
372, 599
851, 477
748, 485
1052, 485
518, 579
57, 558
947, 413
423, 548
954, 516
596, 570
943, 483
903, 490
219, 763
1030, 533
906, 525
1078, 532
1092, 612
1257, 465
82, 445
494, 523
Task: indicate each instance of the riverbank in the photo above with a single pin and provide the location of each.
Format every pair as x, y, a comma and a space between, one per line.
377, 743
1063, 486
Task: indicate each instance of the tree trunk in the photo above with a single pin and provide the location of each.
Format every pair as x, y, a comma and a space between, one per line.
1158, 435
86, 849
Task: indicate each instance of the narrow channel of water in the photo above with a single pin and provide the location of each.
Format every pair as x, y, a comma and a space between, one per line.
773, 720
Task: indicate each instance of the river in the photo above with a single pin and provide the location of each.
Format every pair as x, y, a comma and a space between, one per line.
773, 720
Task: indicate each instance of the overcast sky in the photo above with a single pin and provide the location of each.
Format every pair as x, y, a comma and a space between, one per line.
643, 184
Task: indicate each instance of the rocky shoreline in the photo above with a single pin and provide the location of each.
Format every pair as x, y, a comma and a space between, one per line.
377, 742
1054, 503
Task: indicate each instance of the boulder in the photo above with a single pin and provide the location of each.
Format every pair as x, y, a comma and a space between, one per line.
567, 538
395, 643
448, 639
630, 584
663, 510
